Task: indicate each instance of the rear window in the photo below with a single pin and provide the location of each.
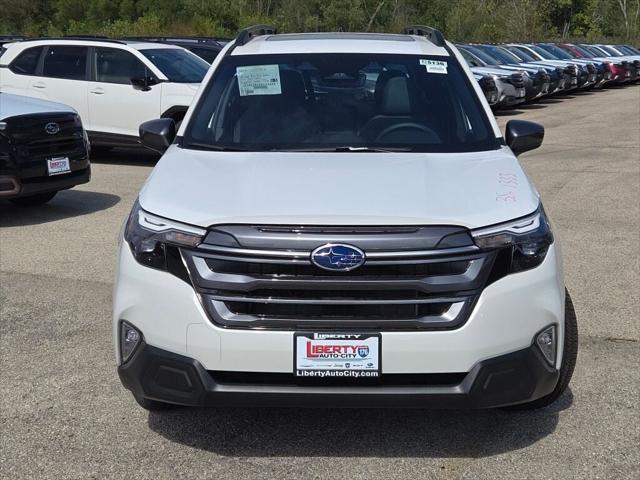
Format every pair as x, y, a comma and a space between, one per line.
65, 62
27, 62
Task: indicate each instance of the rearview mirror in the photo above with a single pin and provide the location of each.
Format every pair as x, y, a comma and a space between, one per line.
158, 134
522, 136
143, 83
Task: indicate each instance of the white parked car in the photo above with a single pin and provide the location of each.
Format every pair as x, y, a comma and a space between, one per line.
113, 85
340, 221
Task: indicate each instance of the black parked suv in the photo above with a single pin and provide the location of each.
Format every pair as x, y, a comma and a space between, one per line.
43, 149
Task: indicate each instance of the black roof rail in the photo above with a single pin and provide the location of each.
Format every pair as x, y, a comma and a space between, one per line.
434, 35
248, 33
74, 37
195, 40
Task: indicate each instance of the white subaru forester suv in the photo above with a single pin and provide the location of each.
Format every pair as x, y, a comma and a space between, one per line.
340, 222
113, 85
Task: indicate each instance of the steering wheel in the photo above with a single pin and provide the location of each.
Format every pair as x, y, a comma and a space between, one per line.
407, 126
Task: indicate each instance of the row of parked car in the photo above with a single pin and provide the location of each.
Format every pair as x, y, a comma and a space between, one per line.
514, 73
61, 96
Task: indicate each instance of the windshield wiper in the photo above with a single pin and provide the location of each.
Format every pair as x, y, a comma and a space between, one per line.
209, 146
345, 148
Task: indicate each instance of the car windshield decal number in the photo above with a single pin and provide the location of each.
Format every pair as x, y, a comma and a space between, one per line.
259, 80
434, 66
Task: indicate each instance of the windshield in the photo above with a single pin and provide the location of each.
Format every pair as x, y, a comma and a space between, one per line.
499, 54
558, 52
582, 53
610, 50
340, 102
484, 56
521, 53
542, 52
592, 51
177, 64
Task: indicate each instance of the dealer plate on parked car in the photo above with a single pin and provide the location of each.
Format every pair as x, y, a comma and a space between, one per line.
58, 165
335, 355
521, 92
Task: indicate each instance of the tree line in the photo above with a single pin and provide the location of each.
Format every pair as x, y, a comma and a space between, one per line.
460, 20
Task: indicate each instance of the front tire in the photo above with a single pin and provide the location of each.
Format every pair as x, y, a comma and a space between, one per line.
569, 357
33, 200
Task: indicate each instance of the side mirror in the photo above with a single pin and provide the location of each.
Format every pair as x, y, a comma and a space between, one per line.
143, 83
158, 134
523, 136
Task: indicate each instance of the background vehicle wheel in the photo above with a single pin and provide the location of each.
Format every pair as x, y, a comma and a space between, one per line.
153, 405
569, 357
33, 200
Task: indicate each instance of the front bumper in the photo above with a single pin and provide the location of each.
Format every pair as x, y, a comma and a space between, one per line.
175, 326
17, 187
509, 379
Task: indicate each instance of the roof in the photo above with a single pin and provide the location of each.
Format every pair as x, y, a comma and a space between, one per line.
104, 42
340, 43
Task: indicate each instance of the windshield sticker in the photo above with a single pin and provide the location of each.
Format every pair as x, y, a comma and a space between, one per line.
434, 66
259, 80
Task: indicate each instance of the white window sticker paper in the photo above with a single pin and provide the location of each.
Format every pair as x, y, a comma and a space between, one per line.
259, 80
434, 66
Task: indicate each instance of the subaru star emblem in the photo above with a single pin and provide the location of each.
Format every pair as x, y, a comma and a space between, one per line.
52, 128
338, 257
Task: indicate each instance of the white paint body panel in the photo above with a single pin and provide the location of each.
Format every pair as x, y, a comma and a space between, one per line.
507, 316
207, 188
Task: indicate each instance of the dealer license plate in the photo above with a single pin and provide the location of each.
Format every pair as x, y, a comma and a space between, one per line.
58, 165
337, 355
521, 92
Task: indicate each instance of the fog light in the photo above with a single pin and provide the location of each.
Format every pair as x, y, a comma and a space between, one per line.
130, 338
546, 341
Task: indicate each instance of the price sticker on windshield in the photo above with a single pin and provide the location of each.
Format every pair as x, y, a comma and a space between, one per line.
434, 66
259, 80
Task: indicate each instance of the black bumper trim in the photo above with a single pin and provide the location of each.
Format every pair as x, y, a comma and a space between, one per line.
49, 184
517, 377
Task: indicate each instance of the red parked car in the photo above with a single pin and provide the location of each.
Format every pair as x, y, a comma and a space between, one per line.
618, 69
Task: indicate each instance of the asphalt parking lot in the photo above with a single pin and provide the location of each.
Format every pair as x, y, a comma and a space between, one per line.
64, 414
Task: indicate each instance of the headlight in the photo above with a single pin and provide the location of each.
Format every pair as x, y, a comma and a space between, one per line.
527, 240
150, 237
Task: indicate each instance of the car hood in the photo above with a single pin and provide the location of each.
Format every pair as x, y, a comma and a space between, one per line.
469, 189
12, 105
495, 70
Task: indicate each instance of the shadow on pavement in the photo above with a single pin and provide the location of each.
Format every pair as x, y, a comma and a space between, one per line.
357, 433
66, 204
532, 106
125, 156
507, 112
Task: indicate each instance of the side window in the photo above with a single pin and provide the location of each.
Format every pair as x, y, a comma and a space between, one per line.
62, 61
117, 66
27, 62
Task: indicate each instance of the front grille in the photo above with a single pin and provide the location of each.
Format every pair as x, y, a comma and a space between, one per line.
267, 280
517, 80
31, 142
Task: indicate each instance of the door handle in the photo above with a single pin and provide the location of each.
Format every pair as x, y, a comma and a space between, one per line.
39, 85
97, 91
